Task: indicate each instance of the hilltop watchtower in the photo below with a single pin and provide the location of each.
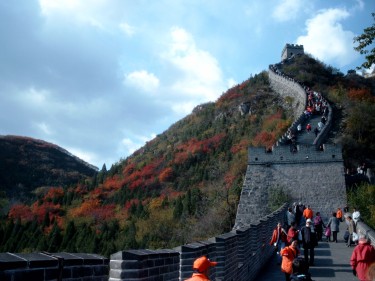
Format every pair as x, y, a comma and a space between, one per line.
290, 50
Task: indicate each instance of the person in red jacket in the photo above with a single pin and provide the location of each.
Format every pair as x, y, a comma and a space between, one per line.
279, 240
288, 254
201, 268
292, 233
362, 257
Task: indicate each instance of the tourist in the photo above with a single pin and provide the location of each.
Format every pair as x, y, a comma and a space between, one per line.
339, 214
201, 268
308, 213
334, 225
279, 240
290, 218
362, 257
309, 241
288, 254
308, 128
318, 225
351, 229
356, 216
292, 233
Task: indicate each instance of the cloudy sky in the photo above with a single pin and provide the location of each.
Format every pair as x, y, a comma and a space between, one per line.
101, 77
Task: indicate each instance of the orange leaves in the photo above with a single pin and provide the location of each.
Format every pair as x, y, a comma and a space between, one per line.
20, 211
273, 126
26, 213
361, 95
194, 146
166, 175
53, 210
93, 208
113, 183
231, 94
264, 138
54, 193
229, 179
241, 146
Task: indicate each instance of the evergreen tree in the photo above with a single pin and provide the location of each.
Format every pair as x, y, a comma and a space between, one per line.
178, 208
67, 243
54, 238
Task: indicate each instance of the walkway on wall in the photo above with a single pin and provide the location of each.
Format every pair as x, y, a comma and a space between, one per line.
308, 138
332, 262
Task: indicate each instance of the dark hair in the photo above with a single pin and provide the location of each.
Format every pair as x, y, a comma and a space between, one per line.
300, 266
333, 214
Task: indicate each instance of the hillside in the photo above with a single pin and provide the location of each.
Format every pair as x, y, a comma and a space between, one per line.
184, 185
28, 163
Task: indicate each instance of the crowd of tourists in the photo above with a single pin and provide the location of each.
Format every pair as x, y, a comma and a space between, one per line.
304, 229
316, 106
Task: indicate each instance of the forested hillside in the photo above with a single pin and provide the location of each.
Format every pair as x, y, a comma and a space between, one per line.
184, 185
26, 164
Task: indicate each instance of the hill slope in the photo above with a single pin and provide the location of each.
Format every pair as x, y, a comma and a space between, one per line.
28, 163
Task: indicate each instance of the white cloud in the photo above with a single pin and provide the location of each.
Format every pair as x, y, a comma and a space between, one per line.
131, 145
44, 128
127, 29
200, 74
327, 40
88, 157
33, 96
78, 10
287, 10
142, 80
231, 83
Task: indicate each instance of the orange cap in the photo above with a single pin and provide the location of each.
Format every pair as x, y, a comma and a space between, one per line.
203, 263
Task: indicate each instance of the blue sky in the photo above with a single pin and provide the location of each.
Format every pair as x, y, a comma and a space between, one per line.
100, 78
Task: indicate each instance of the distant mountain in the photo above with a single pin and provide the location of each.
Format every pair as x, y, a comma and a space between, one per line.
27, 163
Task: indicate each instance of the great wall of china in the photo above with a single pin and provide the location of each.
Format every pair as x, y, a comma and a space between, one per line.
309, 175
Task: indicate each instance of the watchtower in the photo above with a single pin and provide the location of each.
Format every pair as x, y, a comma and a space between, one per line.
290, 50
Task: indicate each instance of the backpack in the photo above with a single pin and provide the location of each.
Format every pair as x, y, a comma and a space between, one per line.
317, 220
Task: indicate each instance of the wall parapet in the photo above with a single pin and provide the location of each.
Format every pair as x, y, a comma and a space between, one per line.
53, 266
304, 154
368, 231
240, 253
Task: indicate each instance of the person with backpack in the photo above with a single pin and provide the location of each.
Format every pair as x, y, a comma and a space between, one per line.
288, 254
318, 225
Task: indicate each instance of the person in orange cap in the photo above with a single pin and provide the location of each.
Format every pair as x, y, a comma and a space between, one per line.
201, 268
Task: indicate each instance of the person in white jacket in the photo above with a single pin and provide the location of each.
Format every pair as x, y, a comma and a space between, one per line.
356, 215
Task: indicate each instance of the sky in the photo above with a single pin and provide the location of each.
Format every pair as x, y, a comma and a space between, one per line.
100, 78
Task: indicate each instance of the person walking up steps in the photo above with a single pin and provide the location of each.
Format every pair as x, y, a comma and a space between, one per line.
279, 240
334, 224
362, 257
309, 241
288, 255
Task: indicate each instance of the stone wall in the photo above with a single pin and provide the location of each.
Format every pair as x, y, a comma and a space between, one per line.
57, 266
286, 87
241, 254
309, 176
